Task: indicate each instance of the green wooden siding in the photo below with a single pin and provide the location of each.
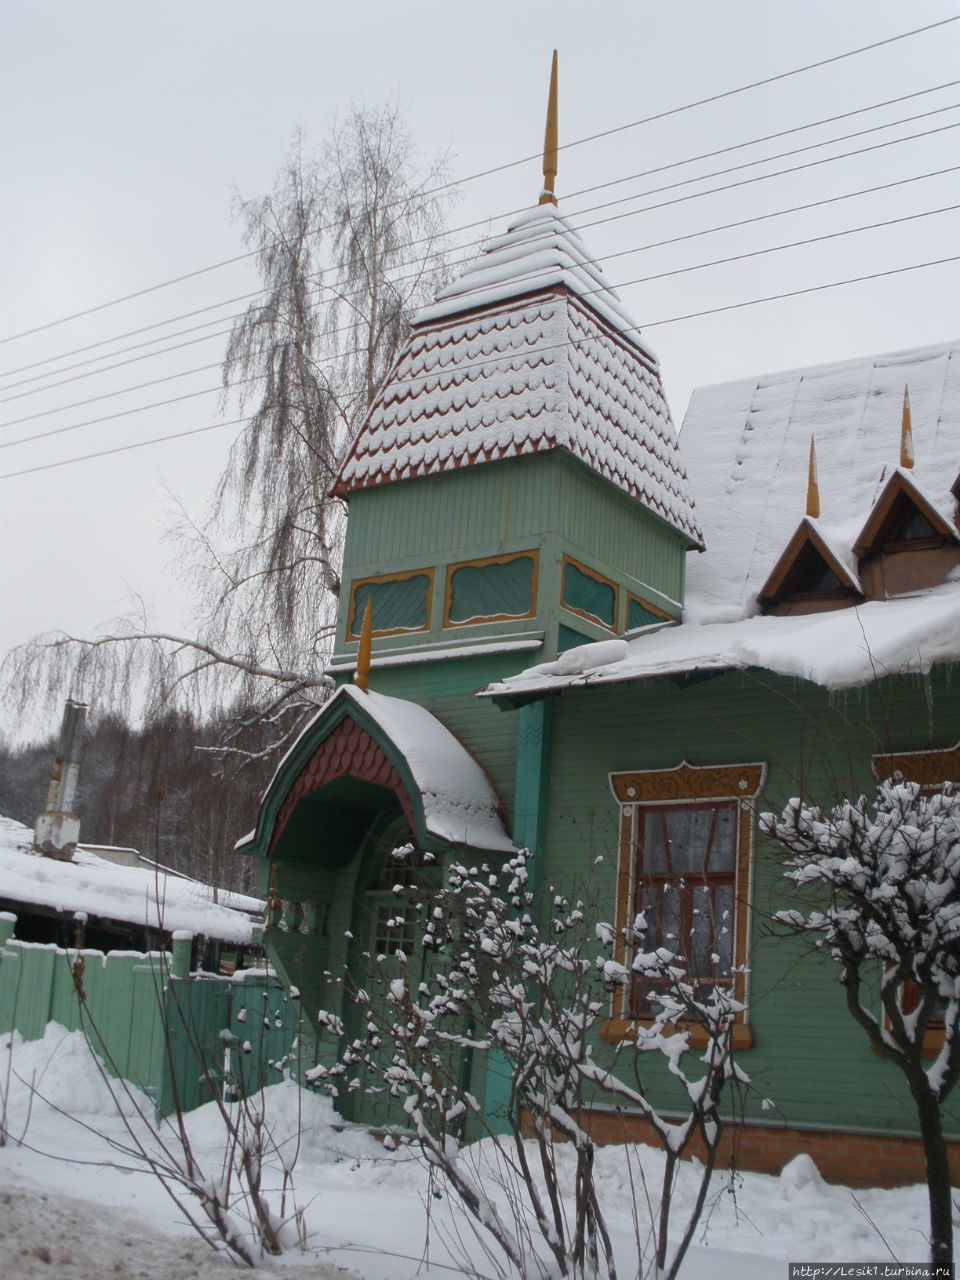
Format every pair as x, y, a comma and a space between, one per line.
548, 503
809, 1057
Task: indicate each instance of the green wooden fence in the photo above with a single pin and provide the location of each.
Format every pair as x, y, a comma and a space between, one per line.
180, 1037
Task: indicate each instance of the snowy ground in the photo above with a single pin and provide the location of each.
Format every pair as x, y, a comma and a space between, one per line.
73, 1203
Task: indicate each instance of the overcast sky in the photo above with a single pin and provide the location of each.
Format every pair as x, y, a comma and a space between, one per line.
126, 128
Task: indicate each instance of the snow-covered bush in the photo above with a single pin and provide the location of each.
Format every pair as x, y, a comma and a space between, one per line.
891, 873
529, 997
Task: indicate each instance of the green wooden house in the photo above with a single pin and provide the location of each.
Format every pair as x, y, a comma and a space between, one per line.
590, 636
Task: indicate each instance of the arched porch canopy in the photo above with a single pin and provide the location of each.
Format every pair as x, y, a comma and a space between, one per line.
364, 750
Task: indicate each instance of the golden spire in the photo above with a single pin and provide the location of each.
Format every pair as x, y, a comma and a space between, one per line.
813, 488
906, 434
547, 195
362, 675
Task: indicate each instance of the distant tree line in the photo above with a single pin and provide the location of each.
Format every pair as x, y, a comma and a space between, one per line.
157, 789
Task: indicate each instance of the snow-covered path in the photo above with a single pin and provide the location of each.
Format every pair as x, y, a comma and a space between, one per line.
73, 1204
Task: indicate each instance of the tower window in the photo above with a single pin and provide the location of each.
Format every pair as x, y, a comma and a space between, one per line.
490, 590
589, 594
399, 602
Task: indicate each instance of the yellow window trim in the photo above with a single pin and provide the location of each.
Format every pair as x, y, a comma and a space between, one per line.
426, 571
533, 554
597, 577
685, 784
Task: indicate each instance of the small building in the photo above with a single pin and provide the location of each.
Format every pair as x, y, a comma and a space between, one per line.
593, 636
92, 900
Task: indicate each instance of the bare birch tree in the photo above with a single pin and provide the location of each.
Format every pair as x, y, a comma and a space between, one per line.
348, 244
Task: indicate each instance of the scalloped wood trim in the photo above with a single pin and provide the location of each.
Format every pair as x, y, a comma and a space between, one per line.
928, 768
688, 782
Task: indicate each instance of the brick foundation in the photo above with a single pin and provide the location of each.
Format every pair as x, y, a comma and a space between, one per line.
855, 1159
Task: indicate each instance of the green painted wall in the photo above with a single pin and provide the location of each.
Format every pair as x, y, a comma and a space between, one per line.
550, 502
809, 1057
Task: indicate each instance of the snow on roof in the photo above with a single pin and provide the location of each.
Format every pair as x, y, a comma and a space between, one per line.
540, 250
526, 375
746, 443
839, 649
459, 802
141, 896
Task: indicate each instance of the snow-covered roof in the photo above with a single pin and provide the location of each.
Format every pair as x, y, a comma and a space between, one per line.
540, 249
459, 803
747, 446
491, 373
141, 896
839, 649
746, 443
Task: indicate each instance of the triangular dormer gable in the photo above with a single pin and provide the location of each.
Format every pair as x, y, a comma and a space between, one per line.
810, 575
907, 543
528, 352
903, 517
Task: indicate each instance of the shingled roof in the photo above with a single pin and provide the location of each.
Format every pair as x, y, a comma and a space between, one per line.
529, 351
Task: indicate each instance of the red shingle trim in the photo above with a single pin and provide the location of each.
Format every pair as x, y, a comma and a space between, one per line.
349, 751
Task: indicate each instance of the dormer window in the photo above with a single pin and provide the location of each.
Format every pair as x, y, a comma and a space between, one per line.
808, 578
908, 529
906, 544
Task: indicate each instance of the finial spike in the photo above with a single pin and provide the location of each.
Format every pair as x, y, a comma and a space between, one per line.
813, 486
906, 434
548, 194
362, 675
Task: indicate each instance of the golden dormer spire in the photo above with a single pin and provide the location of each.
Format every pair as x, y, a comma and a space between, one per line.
906, 434
362, 675
813, 487
547, 195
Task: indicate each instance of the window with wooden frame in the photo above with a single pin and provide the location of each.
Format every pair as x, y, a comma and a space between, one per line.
493, 589
641, 613
808, 578
930, 770
399, 602
906, 543
684, 868
589, 594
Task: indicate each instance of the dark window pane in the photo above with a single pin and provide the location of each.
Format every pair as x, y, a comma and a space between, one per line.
398, 605
640, 616
479, 591
654, 854
581, 591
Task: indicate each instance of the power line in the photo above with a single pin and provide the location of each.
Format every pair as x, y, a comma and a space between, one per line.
124, 448
595, 222
620, 284
317, 277
645, 248
606, 133
652, 324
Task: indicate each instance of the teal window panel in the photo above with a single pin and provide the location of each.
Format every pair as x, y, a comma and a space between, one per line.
495, 590
567, 638
583, 592
399, 604
638, 615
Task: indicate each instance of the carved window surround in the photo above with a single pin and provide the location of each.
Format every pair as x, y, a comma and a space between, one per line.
684, 785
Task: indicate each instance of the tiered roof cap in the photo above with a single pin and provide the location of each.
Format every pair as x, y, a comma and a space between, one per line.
529, 351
